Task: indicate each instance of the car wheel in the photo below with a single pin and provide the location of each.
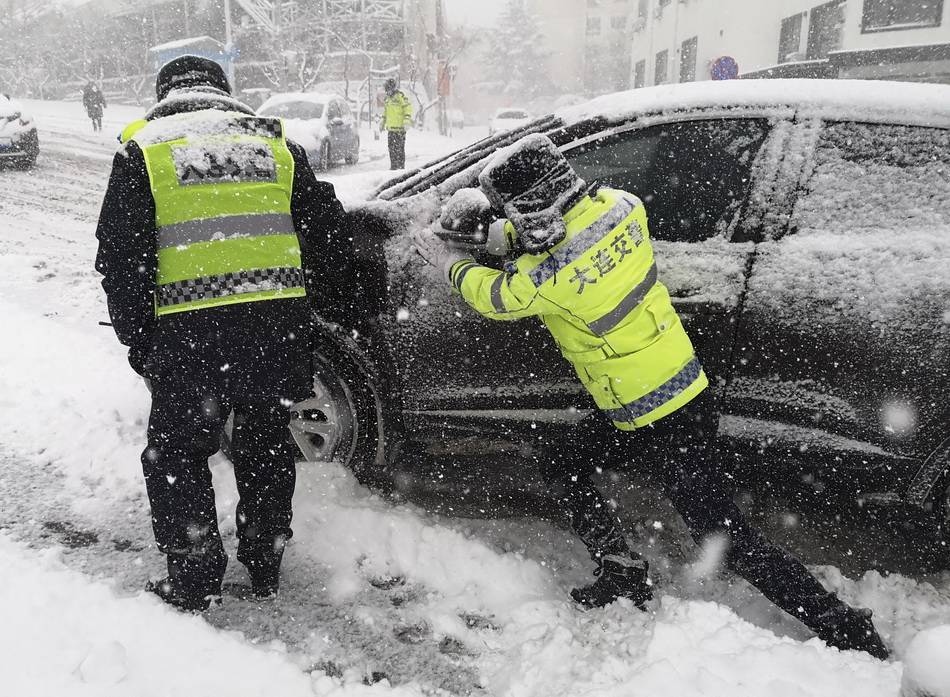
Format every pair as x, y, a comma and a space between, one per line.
324, 164
353, 157
342, 422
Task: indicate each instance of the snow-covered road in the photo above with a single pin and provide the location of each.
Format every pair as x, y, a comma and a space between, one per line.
379, 596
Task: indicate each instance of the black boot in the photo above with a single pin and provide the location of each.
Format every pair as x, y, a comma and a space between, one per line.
848, 629
174, 595
620, 577
194, 579
262, 560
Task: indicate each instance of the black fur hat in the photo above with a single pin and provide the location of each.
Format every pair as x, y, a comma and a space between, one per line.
190, 71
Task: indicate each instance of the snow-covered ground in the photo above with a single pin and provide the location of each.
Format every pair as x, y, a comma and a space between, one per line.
380, 596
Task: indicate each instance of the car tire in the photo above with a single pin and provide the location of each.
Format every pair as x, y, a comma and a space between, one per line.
353, 157
343, 422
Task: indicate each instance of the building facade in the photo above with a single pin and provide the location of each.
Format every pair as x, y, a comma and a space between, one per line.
687, 40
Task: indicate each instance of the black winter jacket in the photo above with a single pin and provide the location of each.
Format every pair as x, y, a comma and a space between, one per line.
251, 339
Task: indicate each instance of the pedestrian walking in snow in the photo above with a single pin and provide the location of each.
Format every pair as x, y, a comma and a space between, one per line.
397, 117
212, 227
95, 103
581, 259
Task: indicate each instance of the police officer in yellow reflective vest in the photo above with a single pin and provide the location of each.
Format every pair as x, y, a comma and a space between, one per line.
397, 117
209, 222
583, 263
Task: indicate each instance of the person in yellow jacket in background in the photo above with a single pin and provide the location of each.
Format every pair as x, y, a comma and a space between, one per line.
397, 117
580, 258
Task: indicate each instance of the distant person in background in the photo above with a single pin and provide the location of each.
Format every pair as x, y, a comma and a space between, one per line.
397, 117
95, 103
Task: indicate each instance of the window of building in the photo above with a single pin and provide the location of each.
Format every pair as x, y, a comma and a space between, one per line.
890, 15
790, 37
661, 68
688, 50
694, 177
593, 25
618, 22
824, 30
640, 74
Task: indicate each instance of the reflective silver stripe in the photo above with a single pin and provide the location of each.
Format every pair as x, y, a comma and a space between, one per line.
581, 242
240, 283
610, 321
460, 272
224, 227
496, 301
660, 396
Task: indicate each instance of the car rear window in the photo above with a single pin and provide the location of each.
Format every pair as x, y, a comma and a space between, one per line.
693, 176
872, 177
294, 110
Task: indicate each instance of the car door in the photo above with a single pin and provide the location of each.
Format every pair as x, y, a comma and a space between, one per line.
695, 177
843, 349
696, 180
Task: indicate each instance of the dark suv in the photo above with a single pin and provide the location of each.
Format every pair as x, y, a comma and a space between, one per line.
803, 229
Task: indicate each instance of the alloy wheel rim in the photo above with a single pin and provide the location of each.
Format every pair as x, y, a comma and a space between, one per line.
320, 426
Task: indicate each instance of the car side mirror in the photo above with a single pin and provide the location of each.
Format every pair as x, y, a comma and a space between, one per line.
336, 121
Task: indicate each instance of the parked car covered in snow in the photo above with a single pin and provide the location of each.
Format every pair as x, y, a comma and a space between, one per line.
508, 119
803, 230
323, 124
19, 143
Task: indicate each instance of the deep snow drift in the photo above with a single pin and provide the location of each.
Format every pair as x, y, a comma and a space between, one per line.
379, 596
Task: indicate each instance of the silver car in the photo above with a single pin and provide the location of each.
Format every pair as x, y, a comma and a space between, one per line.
322, 124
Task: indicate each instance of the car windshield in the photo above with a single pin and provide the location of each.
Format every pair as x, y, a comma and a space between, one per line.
294, 110
512, 114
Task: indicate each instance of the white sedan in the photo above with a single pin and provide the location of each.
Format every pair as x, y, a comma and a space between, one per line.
19, 143
322, 124
507, 120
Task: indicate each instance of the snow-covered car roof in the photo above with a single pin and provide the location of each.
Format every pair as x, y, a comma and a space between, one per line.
313, 97
899, 102
919, 104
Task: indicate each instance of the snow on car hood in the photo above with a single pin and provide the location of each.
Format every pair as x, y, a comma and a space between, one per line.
912, 103
8, 107
306, 134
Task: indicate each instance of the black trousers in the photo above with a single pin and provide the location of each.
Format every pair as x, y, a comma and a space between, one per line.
691, 478
397, 149
184, 430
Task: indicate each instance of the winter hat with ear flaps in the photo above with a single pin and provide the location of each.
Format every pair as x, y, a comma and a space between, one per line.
190, 71
535, 186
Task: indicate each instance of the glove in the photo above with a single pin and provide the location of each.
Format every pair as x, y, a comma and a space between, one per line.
438, 253
465, 219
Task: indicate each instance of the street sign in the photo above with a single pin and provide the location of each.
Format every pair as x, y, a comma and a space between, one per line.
724, 68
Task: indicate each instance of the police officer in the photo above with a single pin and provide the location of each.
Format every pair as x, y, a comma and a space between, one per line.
584, 264
397, 117
210, 219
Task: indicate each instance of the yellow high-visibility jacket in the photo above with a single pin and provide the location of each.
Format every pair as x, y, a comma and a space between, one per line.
222, 184
397, 113
597, 293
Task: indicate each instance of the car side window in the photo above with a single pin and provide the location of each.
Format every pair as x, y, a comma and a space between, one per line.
333, 111
873, 177
694, 177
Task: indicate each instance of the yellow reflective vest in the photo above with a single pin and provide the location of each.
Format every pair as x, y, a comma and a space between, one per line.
397, 112
597, 293
222, 184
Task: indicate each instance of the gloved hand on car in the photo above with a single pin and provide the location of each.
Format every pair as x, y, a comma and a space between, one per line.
437, 252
